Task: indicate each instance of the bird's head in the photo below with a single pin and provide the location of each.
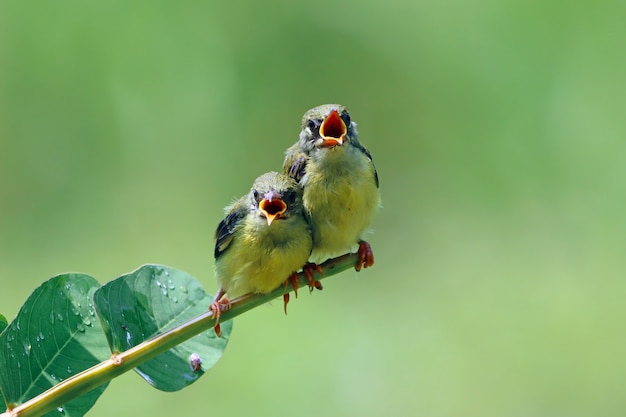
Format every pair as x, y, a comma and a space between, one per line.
275, 195
327, 127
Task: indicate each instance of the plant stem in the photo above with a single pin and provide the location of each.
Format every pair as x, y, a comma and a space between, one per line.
119, 363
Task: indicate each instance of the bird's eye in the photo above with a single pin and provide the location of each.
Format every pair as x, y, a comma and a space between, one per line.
255, 194
289, 197
311, 124
346, 118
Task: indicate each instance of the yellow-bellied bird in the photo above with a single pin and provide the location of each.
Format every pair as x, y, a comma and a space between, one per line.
263, 240
339, 180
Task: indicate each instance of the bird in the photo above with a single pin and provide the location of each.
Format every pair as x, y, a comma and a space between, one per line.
263, 239
339, 180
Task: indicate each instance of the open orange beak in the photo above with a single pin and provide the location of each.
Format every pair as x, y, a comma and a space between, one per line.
333, 130
272, 207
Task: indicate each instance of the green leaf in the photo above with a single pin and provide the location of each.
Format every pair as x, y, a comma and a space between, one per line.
54, 336
148, 301
3, 323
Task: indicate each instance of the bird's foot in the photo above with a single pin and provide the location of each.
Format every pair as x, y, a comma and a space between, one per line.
366, 256
309, 269
293, 280
220, 304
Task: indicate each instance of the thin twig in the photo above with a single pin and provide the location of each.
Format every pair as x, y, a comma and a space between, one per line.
119, 363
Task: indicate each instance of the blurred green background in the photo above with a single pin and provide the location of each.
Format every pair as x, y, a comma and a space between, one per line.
498, 132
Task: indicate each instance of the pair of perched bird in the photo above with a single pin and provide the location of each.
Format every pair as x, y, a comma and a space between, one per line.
319, 207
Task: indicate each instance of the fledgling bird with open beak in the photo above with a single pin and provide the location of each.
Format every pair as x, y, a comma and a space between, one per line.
263, 240
339, 180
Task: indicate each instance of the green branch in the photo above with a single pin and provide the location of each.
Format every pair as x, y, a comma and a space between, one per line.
120, 363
